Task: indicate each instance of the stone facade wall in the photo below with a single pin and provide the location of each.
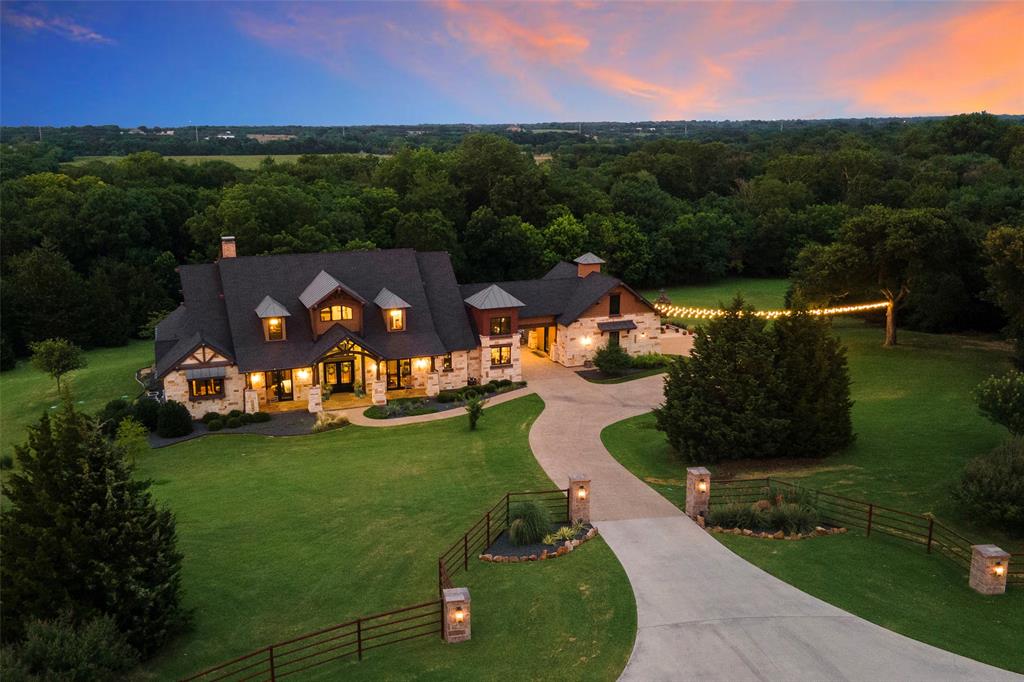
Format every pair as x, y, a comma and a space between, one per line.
487, 373
176, 388
570, 350
459, 375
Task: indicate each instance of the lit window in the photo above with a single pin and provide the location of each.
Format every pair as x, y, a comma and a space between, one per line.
325, 314
275, 329
206, 388
396, 320
446, 362
335, 313
501, 355
501, 326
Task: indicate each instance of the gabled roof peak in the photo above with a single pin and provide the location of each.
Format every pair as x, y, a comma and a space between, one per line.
268, 307
322, 286
493, 297
589, 259
388, 300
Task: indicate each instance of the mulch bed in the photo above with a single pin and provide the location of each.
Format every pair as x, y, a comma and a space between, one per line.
502, 549
597, 375
432, 405
296, 423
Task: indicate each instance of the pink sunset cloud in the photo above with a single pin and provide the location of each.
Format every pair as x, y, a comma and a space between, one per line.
32, 22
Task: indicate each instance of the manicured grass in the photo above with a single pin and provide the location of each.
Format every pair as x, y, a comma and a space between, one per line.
898, 587
26, 393
916, 427
627, 377
760, 293
287, 535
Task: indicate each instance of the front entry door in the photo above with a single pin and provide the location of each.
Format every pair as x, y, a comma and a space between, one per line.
280, 387
340, 376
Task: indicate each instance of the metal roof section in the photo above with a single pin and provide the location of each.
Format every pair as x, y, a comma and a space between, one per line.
616, 325
389, 300
268, 307
589, 259
322, 286
493, 297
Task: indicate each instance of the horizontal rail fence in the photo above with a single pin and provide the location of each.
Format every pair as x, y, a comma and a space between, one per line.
838, 510
351, 640
495, 520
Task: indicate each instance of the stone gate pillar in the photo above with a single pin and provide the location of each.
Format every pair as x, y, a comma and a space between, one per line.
989, 568
457, 627
579, 498
698, 491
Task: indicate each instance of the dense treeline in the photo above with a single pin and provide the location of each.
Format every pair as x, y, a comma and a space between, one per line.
89, 250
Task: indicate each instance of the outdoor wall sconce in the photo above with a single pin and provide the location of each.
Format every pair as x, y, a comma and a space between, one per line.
999, 569
372, 366
702, 486
586, 340
421, 363
581, 493
459, 614
256, 378
303, 374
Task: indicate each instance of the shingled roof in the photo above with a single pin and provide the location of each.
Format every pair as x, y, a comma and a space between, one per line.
493, 297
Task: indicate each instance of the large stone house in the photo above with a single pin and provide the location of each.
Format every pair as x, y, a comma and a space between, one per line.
287, 331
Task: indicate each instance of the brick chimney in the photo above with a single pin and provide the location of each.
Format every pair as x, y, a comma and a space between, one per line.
227, 247
588, 263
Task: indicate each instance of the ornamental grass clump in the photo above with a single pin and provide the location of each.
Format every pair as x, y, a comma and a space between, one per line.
528, 523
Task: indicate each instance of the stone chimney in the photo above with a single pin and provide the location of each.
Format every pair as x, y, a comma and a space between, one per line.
588, 263
227, 247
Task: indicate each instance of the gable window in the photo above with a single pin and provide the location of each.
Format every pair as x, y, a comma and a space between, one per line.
396, 320
501, 355
206, 388
275, 329
501, 326
446, 362
335, 313
614, 304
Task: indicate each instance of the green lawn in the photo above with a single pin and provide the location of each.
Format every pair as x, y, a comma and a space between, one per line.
287, 535
916, 426
760, 293
25, 392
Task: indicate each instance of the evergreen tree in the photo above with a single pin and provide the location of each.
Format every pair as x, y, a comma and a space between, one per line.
810, 364
82, 535
721, 403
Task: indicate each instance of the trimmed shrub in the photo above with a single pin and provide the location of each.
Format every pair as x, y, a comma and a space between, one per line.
649, 361
612, 360
247, 418
209, 417
60, 649
215, 425
233, 422
529, 522
260, 417
173, 420
504, 383
447, 396
235, 413
6, 462
992, 486
112, 414
1001, 399
147, 411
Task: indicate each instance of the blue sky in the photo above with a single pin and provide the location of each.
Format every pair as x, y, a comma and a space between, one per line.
156, 63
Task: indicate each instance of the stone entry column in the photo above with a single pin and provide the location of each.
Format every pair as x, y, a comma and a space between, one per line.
698, 491
251, 400
579, 498
379, 393
433, 384
315, 403
989, 568
456, 627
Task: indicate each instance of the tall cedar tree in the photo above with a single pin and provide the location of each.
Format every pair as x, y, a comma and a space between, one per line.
81, 534
810, 364
722, 402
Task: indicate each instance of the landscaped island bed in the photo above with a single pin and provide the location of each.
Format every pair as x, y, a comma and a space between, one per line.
916, 426
283, 536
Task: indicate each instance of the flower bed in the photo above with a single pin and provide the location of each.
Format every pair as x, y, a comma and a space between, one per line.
445, 400
819, 531
502, 551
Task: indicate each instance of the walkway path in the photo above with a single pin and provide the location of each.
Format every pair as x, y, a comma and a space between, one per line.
704, 613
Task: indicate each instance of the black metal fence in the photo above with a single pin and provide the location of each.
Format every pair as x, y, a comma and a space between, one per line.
838, 510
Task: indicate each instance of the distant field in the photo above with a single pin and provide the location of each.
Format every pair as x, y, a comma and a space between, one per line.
244, 161
760, 293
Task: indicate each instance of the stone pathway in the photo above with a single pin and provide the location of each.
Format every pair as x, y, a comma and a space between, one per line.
703, 612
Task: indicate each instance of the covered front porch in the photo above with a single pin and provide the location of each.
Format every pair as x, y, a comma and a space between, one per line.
342, 401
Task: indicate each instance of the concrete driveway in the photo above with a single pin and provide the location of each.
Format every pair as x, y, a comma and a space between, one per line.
703, 613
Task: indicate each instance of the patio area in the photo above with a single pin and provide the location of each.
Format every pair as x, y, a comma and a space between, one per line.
341, 401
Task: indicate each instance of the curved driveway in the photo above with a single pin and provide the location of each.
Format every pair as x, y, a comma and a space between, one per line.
702, 612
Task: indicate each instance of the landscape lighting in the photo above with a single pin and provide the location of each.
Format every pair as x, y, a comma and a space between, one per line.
999, 569
459, 615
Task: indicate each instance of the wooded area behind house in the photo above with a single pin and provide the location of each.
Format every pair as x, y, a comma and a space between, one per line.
89, 250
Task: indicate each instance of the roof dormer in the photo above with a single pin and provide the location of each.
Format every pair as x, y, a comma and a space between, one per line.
495, 312
272, 314
393, 307
588, 263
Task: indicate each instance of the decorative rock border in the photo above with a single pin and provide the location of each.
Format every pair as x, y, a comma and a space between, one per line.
819, 531
567, 547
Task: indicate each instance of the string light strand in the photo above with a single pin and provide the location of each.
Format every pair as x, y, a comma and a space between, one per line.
688, 313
